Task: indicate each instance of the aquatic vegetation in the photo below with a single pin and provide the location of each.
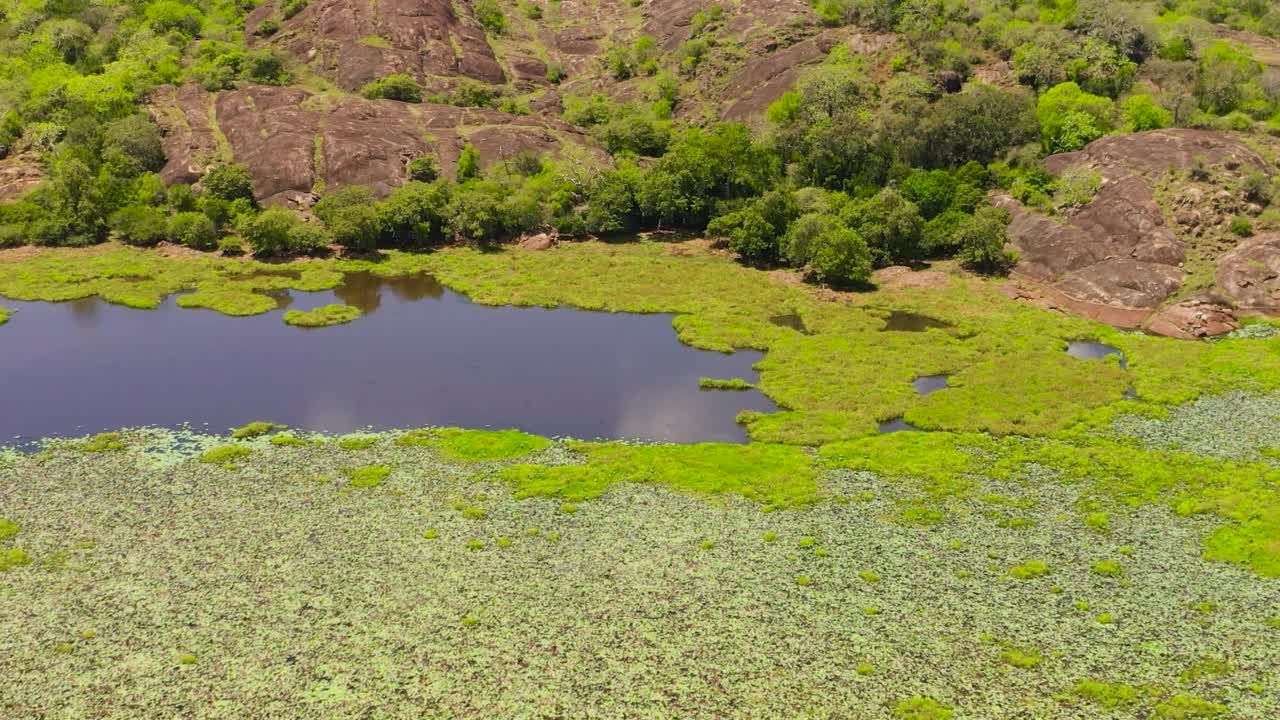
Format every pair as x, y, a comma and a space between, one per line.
357, 442
4, 315
725, 384
864, 669
803, 580
472, 512
1022, 658
322, 316
8, 529
285, 440
102, 442
1108, 695
430, 534
229, 301
475, 544
475, 445
368, 476
188, 659
776, 476
13, 557
1107, 568
503, 542
922, 708
225, 454
1105, 619
869, 576
1188, 707
255, 429
770, 536
1029, 570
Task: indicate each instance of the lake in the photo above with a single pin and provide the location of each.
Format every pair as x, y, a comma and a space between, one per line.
421, 356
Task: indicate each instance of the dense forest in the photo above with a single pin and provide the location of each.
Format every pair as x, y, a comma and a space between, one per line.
868, 161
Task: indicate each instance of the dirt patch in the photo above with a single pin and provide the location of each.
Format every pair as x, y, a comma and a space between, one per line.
19, 174
899, 276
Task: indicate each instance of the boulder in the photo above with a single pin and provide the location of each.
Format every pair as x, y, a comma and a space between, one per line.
1250, 274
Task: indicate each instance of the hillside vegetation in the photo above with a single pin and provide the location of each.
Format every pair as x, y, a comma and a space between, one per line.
882, 129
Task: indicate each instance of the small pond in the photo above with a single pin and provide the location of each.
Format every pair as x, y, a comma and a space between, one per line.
897, 425
422, 355
926, 384
1090, 350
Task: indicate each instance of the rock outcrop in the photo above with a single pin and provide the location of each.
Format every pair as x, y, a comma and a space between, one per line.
1250, 274
1116, 259
356, 42
295, 142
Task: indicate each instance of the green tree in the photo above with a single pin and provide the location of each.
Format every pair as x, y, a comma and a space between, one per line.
139, 225
192, 229
1142, 113
890, 225
1224, 77
350, 217
982, 239
468, 163
1070, 118
398, 86
228, 182
268, 232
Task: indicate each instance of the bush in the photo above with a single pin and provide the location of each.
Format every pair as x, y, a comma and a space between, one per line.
192, 229
268, 27
890, 224
1241, 227
306, 238
398, 86
228, 182
490, 16
468, 164
555, 73
139, 225
832, 251
268, 233
1071, 118
475, 212
423, 168
414, 214
350, 216
289, 8
1142, 113
266, 67
982, 239
135, 142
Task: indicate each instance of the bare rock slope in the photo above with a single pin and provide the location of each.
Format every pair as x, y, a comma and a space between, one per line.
1116, 259
356, 42
296, 143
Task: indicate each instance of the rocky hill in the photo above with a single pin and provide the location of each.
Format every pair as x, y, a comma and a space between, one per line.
1154, 247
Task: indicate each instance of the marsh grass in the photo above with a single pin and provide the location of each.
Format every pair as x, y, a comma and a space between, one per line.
325, 316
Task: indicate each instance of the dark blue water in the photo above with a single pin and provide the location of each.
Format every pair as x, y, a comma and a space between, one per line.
422, 355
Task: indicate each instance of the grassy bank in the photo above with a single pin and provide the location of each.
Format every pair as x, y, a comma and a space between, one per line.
475, 574
830, 362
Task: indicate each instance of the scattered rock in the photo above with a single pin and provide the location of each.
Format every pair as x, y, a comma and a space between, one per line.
1193, 318
1250, 274
541, 241
19, 174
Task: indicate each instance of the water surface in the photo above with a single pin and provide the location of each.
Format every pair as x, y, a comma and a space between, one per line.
422, 355
926, 384
901, 321
1090, 350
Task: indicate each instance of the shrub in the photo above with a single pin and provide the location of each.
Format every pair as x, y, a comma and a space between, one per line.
1071, 118
555, 73
398, 86
350, 216
192, 229
228, 182
268, 233
266, 67
289, 8
468, 164
1241, 226
268, 27
490, 16
135, 141
1142, 113
424, 168
306, 238
139, 225
982, 239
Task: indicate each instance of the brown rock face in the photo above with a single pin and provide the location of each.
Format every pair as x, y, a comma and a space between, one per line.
1116, 260
296, 143
19, 174
354, 42
1250, 274
1193, 318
